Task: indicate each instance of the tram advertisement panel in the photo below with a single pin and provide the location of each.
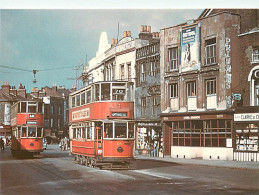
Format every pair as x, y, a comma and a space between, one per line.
190, 48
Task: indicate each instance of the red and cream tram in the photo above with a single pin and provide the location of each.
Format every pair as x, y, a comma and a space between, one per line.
27, 120
101, 125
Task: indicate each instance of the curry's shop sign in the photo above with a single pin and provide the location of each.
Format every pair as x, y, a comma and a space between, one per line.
246, 117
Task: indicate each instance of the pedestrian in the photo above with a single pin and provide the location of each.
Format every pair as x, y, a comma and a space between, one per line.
65, 143
2, 144
61, 144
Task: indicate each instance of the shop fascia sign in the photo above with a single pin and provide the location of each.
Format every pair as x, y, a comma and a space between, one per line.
246, 117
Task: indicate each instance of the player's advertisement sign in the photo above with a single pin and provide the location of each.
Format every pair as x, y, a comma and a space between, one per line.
190, 40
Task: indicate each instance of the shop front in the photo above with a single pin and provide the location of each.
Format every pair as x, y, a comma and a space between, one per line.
204, 135
246, 124
149, 139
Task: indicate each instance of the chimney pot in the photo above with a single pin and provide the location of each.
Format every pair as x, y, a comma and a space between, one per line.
142, 28
124, 34
128, 33
145, 28
149, 29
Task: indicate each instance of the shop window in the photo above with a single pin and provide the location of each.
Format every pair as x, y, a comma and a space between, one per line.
173, 58
108, 130
255, 55
247, 137
120, 130
210, 51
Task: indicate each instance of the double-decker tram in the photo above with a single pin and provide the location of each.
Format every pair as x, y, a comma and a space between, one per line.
27, 120
101, 125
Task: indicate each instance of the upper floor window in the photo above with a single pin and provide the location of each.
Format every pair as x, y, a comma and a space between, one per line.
210, 51
142, 72
173, 58
153, 68
191, 89
211, 87
173, 90
122, 72
154, 104
129, 70
143, 106
255, 55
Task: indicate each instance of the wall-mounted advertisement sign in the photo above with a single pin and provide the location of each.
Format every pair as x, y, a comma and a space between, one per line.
246, 117
119, 114
190, 40
81, 114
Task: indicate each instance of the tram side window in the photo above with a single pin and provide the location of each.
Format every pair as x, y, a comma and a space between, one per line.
83, 98
120, 130
108, 132
24, 129
32, 131
73, 101
23, 106
78, 100
74, 133
31, 107
105, 91
97, 92
88, 96
131, 130
19, 132
83, 132
38, 132
89, 132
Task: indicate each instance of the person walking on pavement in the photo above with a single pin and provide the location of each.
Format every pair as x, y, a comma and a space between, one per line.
65, 143
2, 144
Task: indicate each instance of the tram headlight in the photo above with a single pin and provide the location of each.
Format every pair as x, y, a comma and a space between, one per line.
120, 149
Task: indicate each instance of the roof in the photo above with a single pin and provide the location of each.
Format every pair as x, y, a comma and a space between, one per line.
4, 97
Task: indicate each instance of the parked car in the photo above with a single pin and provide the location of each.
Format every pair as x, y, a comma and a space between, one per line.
44, 144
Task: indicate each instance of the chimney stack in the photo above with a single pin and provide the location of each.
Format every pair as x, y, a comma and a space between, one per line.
13, 91
54, 87
6, 87
21, 91
35, 91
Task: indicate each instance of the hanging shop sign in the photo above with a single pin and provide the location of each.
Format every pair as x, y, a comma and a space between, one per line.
190, 41
246, 117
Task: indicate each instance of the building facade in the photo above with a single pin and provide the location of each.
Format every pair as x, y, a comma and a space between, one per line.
149, 134
199, 74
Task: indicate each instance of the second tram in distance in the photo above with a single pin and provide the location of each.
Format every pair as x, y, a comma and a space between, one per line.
27, 121
101, 125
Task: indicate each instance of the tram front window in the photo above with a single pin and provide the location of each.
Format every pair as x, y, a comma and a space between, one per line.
131, 130
120, 130
31, 107
31, 131
24, 132
38, 132
108, 130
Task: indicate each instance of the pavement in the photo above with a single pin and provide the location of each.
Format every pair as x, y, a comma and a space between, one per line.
215, 163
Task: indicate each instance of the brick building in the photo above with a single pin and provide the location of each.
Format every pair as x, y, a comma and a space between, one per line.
199, 74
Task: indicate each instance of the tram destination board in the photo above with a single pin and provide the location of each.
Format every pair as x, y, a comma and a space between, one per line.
119, 114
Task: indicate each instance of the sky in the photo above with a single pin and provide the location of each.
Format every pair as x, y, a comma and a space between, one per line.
57, 39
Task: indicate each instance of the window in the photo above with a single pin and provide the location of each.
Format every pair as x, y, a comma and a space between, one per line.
31, 131
78, 100
129, 71
23, 106
118, 91
40, 106
142, 73
143, 106
83, 98
73, 101
24, 131
39, 131
122, 72
154, 104
88, 96
120, 130
130, 130
210, 51
105, 91
191, 89
52, 109
153, 68
108, 131
255, 55
173, 90
211, 87
173, 58
32, 107
97, 92
51, 122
